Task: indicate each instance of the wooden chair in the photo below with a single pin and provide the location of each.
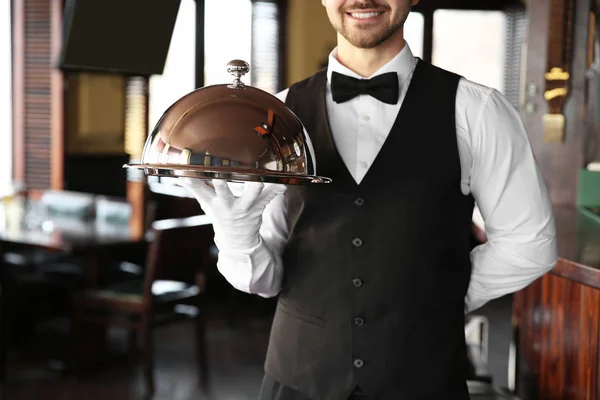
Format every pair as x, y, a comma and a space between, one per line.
171, 289
114, 214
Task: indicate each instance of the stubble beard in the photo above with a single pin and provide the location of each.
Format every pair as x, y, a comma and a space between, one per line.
369, 38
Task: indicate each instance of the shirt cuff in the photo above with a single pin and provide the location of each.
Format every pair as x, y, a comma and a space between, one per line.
249, 270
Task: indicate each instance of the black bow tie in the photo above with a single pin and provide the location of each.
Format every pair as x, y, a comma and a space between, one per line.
383, 87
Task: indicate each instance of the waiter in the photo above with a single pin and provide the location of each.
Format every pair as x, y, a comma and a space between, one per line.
374, 272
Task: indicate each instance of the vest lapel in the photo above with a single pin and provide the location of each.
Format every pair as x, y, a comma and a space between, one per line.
329, 161
395, 135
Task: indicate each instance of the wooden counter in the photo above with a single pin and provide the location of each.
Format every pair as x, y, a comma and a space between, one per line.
578, 233
556, 317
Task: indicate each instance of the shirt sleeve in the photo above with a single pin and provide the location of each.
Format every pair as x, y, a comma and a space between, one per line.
259, 270
513, 201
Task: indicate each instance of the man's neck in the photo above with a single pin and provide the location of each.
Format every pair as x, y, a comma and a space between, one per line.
366, 62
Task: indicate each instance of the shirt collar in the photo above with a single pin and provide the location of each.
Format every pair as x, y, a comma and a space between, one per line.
403, 64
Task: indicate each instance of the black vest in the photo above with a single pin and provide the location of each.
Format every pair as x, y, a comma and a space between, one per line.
375, 275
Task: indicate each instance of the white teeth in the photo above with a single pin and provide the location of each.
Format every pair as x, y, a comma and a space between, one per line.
360, 15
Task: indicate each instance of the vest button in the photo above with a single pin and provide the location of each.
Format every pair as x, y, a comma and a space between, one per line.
358, 321
359, 201
357, 282
357, 242
358, 363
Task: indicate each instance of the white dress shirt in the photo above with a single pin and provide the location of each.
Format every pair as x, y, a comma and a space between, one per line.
497, 167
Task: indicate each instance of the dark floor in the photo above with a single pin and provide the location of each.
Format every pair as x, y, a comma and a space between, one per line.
236, 356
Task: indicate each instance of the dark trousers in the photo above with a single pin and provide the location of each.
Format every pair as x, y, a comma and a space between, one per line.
273, 390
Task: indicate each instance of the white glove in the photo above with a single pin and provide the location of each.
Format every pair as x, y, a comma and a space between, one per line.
236, 219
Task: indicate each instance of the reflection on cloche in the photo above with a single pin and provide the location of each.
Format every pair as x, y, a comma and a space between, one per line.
233, 132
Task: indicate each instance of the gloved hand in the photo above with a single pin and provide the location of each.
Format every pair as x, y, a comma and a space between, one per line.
236, 219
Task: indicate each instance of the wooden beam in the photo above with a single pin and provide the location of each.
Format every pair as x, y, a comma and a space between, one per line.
200, 43
432, 5
57, 142
282, 24
137, 182
137, 195
18, 89
428, 36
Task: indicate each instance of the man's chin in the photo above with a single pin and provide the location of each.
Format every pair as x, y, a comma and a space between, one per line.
365, 43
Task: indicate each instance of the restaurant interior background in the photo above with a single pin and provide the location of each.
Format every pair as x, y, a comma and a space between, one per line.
79, 234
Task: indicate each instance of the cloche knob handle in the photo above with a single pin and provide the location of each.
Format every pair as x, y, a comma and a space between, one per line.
237, 68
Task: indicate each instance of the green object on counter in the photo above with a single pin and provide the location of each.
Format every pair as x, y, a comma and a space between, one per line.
588, 188
589, 215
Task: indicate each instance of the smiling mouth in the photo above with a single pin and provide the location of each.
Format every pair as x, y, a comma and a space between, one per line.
365, 15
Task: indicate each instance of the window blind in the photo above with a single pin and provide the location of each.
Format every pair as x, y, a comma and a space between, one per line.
136, 115
37, 95
516, 26
266, 35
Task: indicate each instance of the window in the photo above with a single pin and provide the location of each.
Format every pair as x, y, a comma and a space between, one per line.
228, 36
5, 97
179, 75
413, 33
265, 46
472, 44
161, 91
247, 30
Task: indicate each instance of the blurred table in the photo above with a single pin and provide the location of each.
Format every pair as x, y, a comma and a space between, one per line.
90, 241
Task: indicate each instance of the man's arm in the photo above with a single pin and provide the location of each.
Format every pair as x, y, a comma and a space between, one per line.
258, 269
513, 200
478, 227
